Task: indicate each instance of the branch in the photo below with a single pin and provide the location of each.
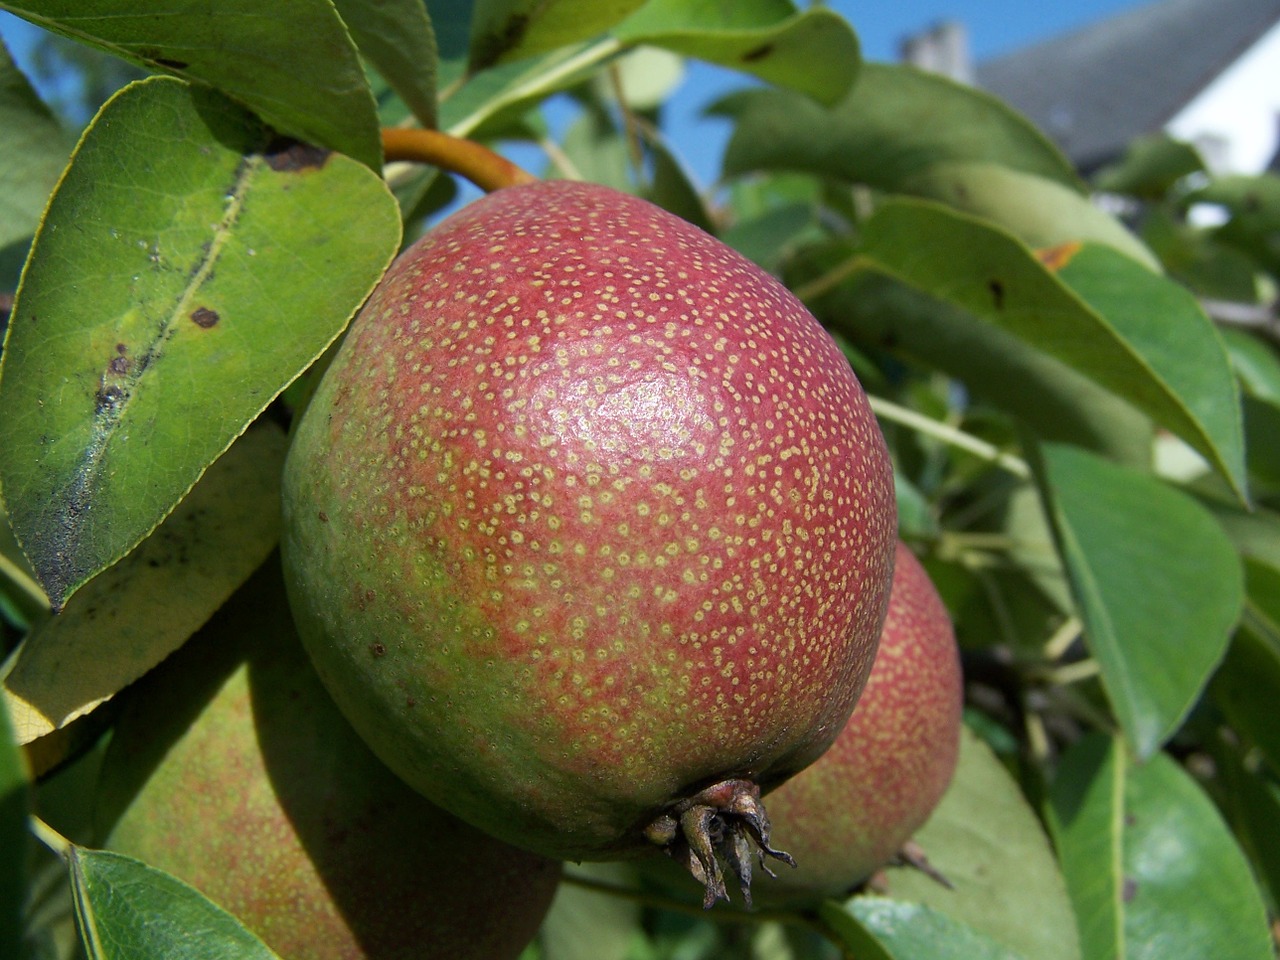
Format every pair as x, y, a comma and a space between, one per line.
1260, 317
950, 435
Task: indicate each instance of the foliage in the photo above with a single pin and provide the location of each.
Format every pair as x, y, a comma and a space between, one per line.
1083, 408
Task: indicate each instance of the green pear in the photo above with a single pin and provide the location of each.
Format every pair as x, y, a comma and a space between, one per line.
231, 768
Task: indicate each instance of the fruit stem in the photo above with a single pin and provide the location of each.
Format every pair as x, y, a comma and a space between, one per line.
487, 170
50, 837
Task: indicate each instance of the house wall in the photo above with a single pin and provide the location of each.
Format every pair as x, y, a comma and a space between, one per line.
1235, 120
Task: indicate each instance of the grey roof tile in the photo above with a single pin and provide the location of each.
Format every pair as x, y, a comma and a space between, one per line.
1095, 89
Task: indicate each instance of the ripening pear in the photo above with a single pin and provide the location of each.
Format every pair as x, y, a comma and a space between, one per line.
850, 813
589, 529
231, 768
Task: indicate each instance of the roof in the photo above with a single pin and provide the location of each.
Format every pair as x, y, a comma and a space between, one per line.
1095, 89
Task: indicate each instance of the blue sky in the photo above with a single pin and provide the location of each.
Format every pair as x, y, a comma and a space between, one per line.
995, 26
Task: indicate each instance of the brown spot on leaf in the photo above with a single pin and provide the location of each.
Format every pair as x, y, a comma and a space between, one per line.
377, 649
119, 365
289, 156
1055, 258
204, 318
997, 293
759, 53
108, 398
324, 517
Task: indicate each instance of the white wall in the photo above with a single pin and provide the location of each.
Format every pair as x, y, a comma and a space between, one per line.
1236, 119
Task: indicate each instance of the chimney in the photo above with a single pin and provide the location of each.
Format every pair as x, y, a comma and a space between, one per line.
943, 48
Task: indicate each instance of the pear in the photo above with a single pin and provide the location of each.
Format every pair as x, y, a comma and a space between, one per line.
589, 529
231, 768
853, 811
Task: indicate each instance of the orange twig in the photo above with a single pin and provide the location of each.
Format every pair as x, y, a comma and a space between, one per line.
487, 170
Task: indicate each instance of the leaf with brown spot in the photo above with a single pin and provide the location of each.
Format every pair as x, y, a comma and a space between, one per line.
1134, 332
178, 284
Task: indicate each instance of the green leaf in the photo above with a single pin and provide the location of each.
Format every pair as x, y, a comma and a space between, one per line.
397, 38
1157, 583
507, 91
909, 931
315, 91
1251, 803
451, 22
1262, 431
134, 614
1002, 369
1255, 533
671, 186
897, 124
814, 52
598, 150
1253, 203
1039, 211
850, 933
35, 151
1193, 257
1164, 325
988, 842
187, 270
14, 802
768, 237
585, 924
1256, 364
1150, 167
127, 910
511, 29
916, 516
1245, 685
1102, 329
1152, 869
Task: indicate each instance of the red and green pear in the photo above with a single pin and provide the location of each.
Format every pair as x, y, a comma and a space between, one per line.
231, 768
589, 529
